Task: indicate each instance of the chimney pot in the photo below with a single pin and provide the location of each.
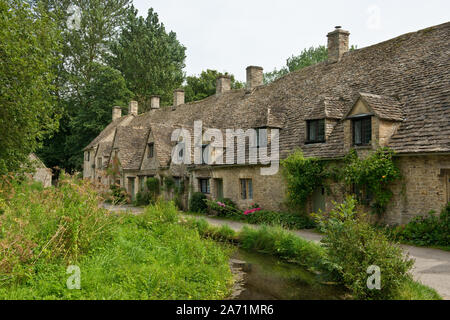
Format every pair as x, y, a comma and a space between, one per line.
116, 113
178, 97
338, 44
255, 77
223, 84
133, 108
155, 102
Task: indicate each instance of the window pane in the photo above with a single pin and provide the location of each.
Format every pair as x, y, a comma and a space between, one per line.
312, 130
243, 189
250, 189
321, 130
357, 132
262, 138
366, 130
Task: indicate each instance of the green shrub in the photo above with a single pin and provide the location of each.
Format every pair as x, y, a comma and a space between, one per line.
354, 245
303, 176
286, 245
283, 219
153, 187
430, 230
143, 198
197, 203
119, 195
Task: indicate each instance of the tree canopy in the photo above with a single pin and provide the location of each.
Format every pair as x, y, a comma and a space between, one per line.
150, 58
204, 85
28, 52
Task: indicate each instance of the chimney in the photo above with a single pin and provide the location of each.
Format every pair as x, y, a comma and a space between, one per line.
337, 44
255, 77
178, 97
154, 102
133, 108
223, 84
116, 113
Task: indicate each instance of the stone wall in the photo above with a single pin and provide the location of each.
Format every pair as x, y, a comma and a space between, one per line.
268, 191
423, 188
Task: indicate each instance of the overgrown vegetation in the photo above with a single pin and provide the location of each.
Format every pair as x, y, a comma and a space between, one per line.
197, 203
226, 208
369, 178
430, 230
152, 256
353, 245
350, 246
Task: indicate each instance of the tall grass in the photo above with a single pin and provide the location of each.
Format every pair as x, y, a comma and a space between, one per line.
120, 257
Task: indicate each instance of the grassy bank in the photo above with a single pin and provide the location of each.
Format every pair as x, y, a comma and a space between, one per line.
285, 245
147, 257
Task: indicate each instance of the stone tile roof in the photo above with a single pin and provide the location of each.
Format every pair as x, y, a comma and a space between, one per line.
130, 142
110, 128
328, 108
386, 108
406, 78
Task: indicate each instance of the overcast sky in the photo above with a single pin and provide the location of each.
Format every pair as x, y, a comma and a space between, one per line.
229, 35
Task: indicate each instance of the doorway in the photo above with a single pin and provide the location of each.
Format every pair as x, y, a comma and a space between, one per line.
318, 200
131, 187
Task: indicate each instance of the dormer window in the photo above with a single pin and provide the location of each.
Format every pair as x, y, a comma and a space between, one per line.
362, 131
315, 131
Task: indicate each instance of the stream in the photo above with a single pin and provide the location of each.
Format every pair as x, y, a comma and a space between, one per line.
263, 277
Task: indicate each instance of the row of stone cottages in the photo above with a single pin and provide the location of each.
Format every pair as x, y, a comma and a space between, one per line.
395, 93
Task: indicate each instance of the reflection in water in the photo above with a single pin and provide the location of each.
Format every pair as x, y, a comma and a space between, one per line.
268, 278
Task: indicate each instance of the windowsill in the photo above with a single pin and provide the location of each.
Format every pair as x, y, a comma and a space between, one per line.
314, 142
363, 146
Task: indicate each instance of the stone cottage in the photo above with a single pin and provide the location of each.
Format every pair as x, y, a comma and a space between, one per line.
395, 94
41, 172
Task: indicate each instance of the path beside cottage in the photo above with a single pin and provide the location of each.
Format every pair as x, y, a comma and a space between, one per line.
432, 266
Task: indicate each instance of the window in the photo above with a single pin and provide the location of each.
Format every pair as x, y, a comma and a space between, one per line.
87, 156
246, 189
99, 163
261, 138
205, 154
315, 131
151, 147
362, 131
142, 183
204, 186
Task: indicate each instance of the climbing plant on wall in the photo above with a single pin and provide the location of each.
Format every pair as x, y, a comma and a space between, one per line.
375, 174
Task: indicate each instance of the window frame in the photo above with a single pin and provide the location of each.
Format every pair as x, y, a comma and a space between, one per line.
208, 185
317, 130
362, 131
246, 188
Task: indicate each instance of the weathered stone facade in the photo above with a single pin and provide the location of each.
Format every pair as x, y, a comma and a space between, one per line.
397, 89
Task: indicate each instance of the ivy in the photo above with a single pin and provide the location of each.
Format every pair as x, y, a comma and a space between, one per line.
374, 174
303, 176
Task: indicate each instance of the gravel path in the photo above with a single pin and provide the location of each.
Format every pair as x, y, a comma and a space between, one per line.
432, 266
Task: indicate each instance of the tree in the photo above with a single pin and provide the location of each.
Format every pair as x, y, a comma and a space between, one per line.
107, 89
204, 85
87, 28
150, 59
28, 52
306, 58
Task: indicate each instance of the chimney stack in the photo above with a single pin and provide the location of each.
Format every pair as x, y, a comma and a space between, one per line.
337, 44
133, 108
178, 97
116, 113
255, 77
154, 102
223, 84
